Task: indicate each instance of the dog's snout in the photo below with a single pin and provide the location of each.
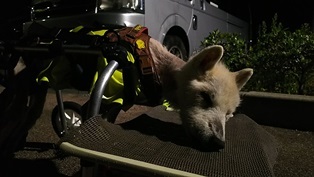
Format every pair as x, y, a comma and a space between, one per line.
217, 140
217, 143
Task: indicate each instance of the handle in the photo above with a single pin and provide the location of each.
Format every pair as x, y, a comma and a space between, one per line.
99, 88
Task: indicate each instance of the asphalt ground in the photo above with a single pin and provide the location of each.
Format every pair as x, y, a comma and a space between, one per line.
40, 158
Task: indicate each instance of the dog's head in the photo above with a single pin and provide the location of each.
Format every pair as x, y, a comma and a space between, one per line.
207, 95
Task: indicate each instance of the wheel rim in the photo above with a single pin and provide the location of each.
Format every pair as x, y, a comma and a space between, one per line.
73, 119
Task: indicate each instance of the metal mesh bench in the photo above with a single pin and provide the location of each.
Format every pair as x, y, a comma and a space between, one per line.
154, 144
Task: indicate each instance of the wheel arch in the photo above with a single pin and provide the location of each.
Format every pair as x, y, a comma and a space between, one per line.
178, 31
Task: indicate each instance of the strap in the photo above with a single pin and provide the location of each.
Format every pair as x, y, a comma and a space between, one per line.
137, 31
138, 36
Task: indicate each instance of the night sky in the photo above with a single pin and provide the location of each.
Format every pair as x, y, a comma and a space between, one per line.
292, 14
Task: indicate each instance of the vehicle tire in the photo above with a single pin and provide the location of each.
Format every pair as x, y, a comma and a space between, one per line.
176, 46
73, 114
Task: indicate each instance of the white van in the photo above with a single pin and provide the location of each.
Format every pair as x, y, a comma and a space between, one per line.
180, 25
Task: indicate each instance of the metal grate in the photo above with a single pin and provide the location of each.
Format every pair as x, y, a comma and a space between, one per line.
249, 151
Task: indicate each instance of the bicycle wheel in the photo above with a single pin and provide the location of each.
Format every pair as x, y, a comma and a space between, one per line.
73, 116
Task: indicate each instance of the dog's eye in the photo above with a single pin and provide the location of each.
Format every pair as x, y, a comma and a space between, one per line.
208, 102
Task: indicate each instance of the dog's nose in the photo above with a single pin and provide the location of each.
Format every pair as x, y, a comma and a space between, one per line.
217, 143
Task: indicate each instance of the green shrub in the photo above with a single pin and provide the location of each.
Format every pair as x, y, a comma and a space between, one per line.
283, 61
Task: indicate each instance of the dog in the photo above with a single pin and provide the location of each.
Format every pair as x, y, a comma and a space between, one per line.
203, 90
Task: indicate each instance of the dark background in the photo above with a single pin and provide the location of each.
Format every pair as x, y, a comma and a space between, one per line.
290, 13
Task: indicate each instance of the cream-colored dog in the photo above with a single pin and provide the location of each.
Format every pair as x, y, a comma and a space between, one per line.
204, 91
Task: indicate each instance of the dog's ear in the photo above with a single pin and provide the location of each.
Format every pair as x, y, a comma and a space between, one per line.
243, 76
207, 58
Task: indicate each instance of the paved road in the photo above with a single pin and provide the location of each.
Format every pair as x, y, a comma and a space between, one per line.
40, 157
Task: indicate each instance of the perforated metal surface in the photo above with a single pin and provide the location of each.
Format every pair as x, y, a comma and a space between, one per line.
249, 151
